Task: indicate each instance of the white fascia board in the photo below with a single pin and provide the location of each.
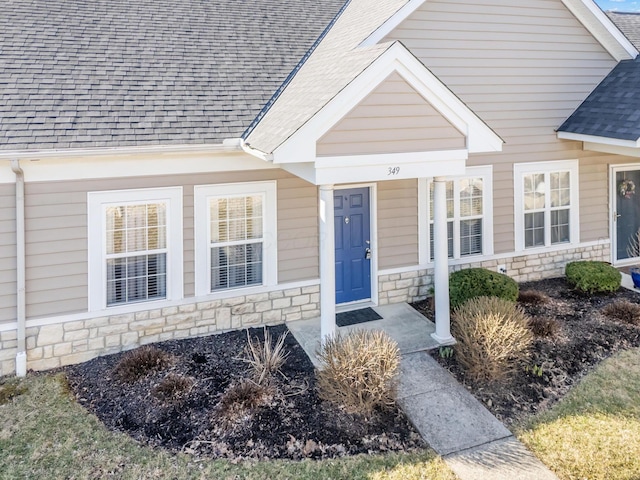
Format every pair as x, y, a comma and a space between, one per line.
602, 28
229, 145
301, 146
612, 149
392, 22
80, 168
393, 166
389, 159
379, 173
593, 139
305, 171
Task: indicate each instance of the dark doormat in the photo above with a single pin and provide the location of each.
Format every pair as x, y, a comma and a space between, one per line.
345, 319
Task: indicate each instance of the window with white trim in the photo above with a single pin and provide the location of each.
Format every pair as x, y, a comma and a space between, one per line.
469, 214
235, 236
135, 246
546, 204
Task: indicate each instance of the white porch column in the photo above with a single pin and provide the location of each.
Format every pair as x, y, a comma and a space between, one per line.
327, 264
441, 262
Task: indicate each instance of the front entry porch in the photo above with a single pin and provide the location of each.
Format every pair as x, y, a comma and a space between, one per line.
411, 330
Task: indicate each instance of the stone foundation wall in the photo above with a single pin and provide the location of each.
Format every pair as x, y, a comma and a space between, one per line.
66, 343
417, 285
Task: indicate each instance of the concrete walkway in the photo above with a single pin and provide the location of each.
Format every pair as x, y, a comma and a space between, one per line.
474, 444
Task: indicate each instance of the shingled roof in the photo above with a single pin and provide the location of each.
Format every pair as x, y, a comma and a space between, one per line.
629, 24
612, 110
77, 73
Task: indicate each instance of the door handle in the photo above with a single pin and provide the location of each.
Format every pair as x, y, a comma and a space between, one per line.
367, 254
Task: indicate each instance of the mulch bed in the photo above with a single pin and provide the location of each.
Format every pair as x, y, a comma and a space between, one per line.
584, 338
290, 422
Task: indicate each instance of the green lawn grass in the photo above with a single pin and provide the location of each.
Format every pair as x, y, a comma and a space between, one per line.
594, 432
44, 433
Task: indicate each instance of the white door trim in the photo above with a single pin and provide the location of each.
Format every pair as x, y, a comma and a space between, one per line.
613, 233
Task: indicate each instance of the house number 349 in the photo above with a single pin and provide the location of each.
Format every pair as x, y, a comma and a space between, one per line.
392, 171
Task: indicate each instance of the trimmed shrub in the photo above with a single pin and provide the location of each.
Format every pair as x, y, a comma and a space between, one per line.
359, 370
265, 358
544, 326
140, 362
493, 337
624, 311
533, 297
480, 282
593, 277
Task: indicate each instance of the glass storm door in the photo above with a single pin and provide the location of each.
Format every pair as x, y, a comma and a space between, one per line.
352, 231
627, 215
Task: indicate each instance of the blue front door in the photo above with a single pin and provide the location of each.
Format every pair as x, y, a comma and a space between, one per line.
352, 227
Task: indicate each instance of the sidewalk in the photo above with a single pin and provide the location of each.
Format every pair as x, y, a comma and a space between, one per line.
474, 444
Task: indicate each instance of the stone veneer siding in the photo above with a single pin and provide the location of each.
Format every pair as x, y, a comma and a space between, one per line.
416, 285
66, 343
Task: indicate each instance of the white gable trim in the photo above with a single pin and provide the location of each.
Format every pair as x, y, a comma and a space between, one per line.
586, 11
301, 146
396, 19
602, 28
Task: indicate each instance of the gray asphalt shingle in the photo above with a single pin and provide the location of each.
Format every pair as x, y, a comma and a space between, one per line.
612, 110
122, 73
629, 24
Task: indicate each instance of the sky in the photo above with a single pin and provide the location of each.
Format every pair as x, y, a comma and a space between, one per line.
620, 5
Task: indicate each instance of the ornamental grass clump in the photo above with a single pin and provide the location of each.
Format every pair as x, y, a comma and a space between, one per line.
265, 358
533, 297
140, 362
480, 282
544, 326
493, 337
359, 370
593, 277
173, 388
624, 311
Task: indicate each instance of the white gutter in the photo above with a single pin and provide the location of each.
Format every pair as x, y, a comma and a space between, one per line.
267, 157
21, 355
230, 145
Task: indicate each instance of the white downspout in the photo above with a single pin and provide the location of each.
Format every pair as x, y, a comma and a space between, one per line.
21, 355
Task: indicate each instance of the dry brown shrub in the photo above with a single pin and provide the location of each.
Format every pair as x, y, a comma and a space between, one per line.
624, 311
493, 337
544, 326
173, 388
359, 370
533, 297
141, 361
241, 399
265, 358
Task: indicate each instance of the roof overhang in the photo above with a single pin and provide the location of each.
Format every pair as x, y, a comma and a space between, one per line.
586, 11
298, 153
611, 145
229, 145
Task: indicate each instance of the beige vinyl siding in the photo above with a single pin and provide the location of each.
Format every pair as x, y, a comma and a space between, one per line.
56, 215
297, 230
7, 253
393, 118
523, 67
397, 223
